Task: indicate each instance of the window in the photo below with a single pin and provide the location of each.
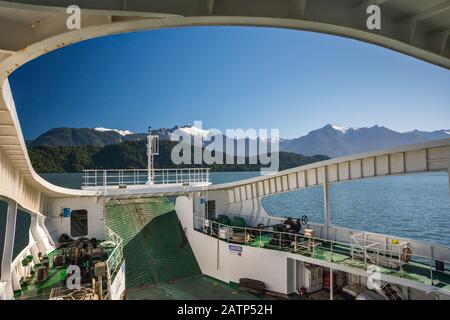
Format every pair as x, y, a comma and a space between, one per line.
210, 209
78, 223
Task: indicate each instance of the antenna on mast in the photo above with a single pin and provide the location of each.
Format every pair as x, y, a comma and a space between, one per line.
152, 150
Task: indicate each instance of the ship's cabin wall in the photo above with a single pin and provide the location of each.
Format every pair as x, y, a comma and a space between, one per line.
57, 225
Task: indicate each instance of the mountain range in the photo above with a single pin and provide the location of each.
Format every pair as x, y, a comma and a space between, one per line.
330, 140
132, 155
335, 141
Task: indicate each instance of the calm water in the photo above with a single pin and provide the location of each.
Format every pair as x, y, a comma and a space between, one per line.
414, 206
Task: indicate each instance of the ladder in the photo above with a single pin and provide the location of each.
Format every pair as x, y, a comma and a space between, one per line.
391, 292
361, 251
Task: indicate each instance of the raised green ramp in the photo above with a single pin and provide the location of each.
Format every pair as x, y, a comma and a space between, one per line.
155, 247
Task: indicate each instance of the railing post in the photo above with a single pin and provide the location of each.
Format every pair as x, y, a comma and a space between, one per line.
104, 178
280, 242
431, 270
326, 210
365, 260
332, 260
260, 239
331, 284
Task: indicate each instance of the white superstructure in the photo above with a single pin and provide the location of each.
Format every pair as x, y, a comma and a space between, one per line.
416, 28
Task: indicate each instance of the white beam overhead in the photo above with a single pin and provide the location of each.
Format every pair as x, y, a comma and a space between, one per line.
39, 27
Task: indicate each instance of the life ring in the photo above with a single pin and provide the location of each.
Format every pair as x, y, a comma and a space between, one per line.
406, 254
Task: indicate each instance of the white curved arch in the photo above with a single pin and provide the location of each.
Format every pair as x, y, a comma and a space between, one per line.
19, 180
40, 29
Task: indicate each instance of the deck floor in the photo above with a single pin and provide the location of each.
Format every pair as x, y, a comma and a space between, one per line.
41, 291
194, 288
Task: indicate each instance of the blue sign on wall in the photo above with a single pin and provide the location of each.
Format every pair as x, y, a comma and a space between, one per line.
66, 212
235, 249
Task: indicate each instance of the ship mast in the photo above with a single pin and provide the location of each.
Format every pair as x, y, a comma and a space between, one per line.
152, 150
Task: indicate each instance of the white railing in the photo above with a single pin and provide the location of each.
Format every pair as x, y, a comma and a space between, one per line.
18, 270
299, 243
122, 177
375, 252
115, 258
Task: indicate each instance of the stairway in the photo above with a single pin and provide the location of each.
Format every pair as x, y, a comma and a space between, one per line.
360, 252
391, 292
155, 247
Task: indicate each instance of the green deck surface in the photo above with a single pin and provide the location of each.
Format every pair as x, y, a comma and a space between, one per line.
155, 247
194, 288
260, 241
37, 291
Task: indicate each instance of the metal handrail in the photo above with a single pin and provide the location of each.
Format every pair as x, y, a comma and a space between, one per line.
117, 177
296, 243
116, 256
376, 255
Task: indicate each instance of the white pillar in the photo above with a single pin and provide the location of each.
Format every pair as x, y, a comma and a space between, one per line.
8, 247
15, 283
331, 283
41, 224
326, 210
40, 234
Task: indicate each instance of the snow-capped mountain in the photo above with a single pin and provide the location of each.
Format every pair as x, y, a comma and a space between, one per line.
194, 132
336, 140
331, 140
121, 132
339, 128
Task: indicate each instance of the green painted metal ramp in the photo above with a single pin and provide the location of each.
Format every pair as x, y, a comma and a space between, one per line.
155, 247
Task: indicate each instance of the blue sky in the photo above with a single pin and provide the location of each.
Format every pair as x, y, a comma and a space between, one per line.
229, 77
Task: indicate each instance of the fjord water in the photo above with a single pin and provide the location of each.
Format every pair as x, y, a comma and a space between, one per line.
414, 206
